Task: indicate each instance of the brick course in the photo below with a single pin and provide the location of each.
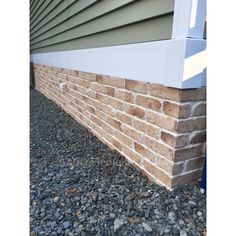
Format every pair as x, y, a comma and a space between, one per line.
161, 130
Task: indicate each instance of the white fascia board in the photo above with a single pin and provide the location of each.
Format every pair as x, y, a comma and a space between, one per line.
189, 19
161, 62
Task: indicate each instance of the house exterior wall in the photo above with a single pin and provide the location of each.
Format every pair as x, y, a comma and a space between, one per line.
160, 130
69, 25
135, 75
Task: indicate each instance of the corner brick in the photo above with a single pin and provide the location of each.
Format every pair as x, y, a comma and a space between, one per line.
199, 137
164, 164
149, 103
194, 164
193, 94
184, 125
200, 110
157, 172
174, 141
200, 123
177, 110
137, 86
186, 153
160, 91
187, 178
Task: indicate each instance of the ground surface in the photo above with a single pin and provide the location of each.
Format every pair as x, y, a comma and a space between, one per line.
80, 187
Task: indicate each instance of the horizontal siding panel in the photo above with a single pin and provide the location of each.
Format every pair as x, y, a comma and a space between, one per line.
53, 4
39, 8
135, 33
77, 17
72, 24
53, 14
132, 13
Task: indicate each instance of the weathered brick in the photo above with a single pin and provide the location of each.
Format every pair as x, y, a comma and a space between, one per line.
157, 172
114, 123
91, 109
174, 141
125, 96
139, 125
184, 125
186, 153
161, 121
193, 94
69, 72
160, 91
149, 103
123, 117
143, 151
116, 82
133, 110
164, 164
186, 178
103, 98
198, 137
137, 86
132, 133
176, 110
123, 138
200, 110
200, 123
165, 151
177, 168
117, 104
194, 164
132, 155
103, 89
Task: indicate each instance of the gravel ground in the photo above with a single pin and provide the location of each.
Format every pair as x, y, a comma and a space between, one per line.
80, 187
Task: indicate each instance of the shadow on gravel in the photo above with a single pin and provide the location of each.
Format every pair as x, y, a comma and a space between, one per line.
78, 186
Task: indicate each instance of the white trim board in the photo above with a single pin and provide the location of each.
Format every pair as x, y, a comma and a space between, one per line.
161, 62
189, 19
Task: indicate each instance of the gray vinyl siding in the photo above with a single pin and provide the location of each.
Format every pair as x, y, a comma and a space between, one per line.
67, 25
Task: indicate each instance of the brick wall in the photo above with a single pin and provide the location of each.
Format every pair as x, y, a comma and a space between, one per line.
160, 130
